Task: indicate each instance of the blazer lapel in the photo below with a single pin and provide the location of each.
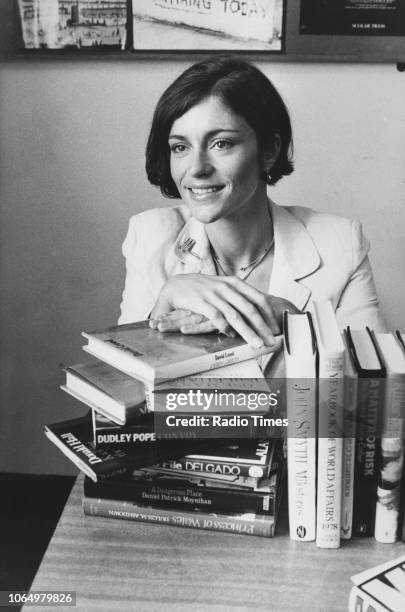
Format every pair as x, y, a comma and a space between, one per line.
192, 250
295, 257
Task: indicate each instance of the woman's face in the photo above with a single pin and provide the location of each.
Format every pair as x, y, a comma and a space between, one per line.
214, 161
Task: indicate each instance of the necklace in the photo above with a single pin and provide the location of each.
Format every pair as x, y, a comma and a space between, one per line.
244, 271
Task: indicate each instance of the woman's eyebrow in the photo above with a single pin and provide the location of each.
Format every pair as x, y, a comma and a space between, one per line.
208, 134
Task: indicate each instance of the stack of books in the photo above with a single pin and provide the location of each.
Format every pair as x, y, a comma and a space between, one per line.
139, 472
155, 449
345, 450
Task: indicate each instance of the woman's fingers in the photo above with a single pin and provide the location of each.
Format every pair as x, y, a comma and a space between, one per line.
205, 327
174, 320
262, 302
197, 303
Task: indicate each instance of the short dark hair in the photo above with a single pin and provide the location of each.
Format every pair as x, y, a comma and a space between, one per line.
244, 89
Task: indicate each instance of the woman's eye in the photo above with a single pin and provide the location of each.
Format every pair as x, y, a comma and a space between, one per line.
177, 147
222, 144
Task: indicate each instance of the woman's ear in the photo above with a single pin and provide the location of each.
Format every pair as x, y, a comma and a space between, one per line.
271, 154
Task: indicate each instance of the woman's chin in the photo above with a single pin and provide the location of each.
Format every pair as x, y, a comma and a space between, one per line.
204, 212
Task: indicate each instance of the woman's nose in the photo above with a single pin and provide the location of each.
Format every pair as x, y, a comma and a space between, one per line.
200, 164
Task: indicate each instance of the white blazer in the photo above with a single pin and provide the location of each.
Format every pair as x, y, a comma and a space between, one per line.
317, 256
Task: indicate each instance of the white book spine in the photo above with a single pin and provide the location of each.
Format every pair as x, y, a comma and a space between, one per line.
391, 462
330, 449
301, 447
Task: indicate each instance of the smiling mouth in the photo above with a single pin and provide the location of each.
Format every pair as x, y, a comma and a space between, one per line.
205, 190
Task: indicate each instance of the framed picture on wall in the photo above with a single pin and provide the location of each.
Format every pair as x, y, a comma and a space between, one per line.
196, 25
73, 24
353, 17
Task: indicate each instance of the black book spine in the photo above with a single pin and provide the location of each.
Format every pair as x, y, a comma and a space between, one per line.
178, 494
366, 471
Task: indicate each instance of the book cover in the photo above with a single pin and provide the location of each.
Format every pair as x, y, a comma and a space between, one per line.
300, 364
75, 439
381, 588
392, 440
115, 395
331, 368
349, 443
106, 433
370, 397
148, 354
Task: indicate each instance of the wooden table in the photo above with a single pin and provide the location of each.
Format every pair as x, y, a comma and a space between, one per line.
116, 565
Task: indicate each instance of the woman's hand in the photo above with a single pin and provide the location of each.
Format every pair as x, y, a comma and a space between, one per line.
199, 303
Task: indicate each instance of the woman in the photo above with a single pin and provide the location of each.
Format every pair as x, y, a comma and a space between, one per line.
228, 258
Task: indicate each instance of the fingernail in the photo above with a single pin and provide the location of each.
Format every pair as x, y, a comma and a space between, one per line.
270, 340
257, 343
152, 323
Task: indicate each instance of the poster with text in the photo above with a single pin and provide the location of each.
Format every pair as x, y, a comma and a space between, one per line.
208, 25
353, 17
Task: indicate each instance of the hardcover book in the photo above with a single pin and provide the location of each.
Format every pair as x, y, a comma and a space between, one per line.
331, 368
392, 440
75, 439
300, 364
147, 354
225, 474
246, 458
238, 523
164, 491
236, 381
115, 395
349, 444
370, 394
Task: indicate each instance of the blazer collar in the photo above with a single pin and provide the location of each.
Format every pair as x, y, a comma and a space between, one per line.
295, 254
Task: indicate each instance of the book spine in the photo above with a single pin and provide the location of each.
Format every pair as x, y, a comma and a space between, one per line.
301, 457
349, 449
391, 462
370, 400
109, 508
183, 495
195, 466
211, 361
330, 450
359, 601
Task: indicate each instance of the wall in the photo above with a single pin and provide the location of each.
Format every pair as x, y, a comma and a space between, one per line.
72, 135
